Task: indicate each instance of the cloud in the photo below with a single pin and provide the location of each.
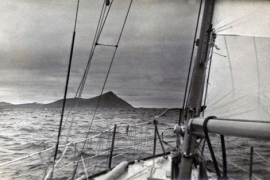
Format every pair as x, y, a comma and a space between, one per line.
149, 68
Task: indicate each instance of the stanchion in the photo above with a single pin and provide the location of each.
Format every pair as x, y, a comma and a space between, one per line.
112, 147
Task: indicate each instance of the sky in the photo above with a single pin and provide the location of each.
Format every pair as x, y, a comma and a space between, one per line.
149, 69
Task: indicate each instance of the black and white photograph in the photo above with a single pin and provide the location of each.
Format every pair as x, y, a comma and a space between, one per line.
134, 89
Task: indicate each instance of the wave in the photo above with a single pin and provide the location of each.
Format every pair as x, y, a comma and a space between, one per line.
35, 145
6, 137
28, 129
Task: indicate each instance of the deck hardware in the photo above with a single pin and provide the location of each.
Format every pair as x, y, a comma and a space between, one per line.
251, 163
155, 121
197, 42
187, 155
179, 130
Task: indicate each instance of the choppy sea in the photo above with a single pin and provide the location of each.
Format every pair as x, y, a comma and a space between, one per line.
27, 131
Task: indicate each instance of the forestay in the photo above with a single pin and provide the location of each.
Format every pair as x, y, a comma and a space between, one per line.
239, 84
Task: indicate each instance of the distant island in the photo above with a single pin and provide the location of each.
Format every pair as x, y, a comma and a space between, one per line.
107, 100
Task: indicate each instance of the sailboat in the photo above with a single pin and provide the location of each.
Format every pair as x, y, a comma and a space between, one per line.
226, 94
227, 76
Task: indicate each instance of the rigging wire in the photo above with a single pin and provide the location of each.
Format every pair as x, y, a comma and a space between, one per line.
96, 38
82, 83
66, 87
106, 78
190, 64
107, 75
108, 72
79, 91
100, 27
220, 54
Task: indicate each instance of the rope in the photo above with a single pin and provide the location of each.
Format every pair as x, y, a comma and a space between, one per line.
139, 124
82, 83
219, 54
101, 23
85, 169
24, 157
66, 88
99, 29
191, 61
107, 75
261, 157
55, 164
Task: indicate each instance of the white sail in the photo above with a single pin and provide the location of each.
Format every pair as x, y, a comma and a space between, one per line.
242, 17
239, 84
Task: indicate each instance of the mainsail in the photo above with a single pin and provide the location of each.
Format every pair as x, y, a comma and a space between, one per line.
239, 74
242, 18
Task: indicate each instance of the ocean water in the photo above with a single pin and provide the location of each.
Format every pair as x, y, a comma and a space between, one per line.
27, 131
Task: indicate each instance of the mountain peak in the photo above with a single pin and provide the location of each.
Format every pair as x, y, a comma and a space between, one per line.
106, 100
109, 93
111, 100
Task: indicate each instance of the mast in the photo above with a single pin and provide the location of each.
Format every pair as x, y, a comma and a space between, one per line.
196, 89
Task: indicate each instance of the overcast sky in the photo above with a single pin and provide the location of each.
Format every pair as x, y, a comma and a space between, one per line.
149, 69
